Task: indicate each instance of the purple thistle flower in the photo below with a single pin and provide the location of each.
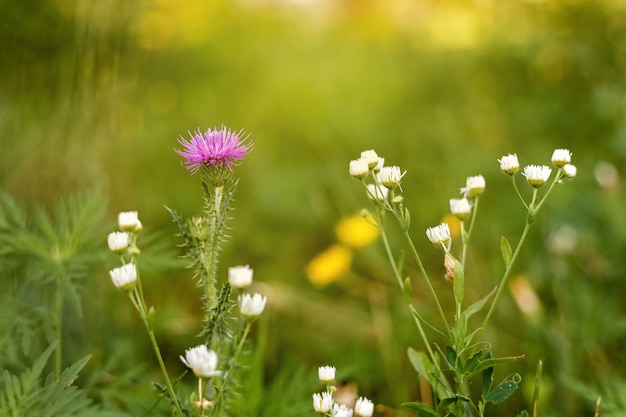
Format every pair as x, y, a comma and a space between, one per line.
215, 148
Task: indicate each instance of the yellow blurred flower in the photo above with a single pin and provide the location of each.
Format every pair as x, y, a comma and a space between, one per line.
356, 231
328, 266
454, 224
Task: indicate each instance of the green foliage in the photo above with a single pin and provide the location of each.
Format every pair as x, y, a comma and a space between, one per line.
28, 394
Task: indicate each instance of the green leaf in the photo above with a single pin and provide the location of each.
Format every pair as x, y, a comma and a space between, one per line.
421, 409
429, 371
445, 403
472, 362
496, 361
501, 392
487, 377
507, 253
523, 414
478, 305
407, 290
451, 357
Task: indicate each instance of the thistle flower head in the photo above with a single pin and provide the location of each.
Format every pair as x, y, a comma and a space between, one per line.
214, 148
240, 276
124, 277
202, 361
326, 374
560, 157
537, 175
509, 164
251, 306
323, 403
363, 407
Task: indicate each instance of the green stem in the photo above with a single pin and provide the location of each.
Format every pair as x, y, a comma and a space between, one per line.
210, 255
396, 273
422, 270
58, 314
136, 298
219, 400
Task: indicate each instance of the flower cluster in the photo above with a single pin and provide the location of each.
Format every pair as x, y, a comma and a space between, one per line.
123, 242
538, 175
324, 403
387, 176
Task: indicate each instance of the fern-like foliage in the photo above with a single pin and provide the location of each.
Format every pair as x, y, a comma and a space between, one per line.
25, 395
44, 258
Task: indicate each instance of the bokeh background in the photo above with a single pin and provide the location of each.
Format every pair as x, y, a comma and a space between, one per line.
93, 95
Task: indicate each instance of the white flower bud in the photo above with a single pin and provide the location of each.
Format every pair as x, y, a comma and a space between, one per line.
118, 241
240, 276
440, 235
569, 170
560, 157
359, 168
390, 176
371, 157
537, 175
128, 221
124, 277
323, 403
474, 186
251, 306
202, 361
460, 207
363, 407
509, 164
326, 374
377, 192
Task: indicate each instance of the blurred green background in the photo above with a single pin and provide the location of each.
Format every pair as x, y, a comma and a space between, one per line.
95, 94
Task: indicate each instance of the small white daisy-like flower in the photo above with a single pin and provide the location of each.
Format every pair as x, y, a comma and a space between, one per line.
460, 207
509, 164
326, 374
341, 410
128, 221
359, 168
380, 164
439, 235
118, 241
371, 157
377, 192
323, 403
390, 176
474, 186
363, 407
561, 157
569, 170
202, 361
537, 175
240, 276
124, 276
251, 306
